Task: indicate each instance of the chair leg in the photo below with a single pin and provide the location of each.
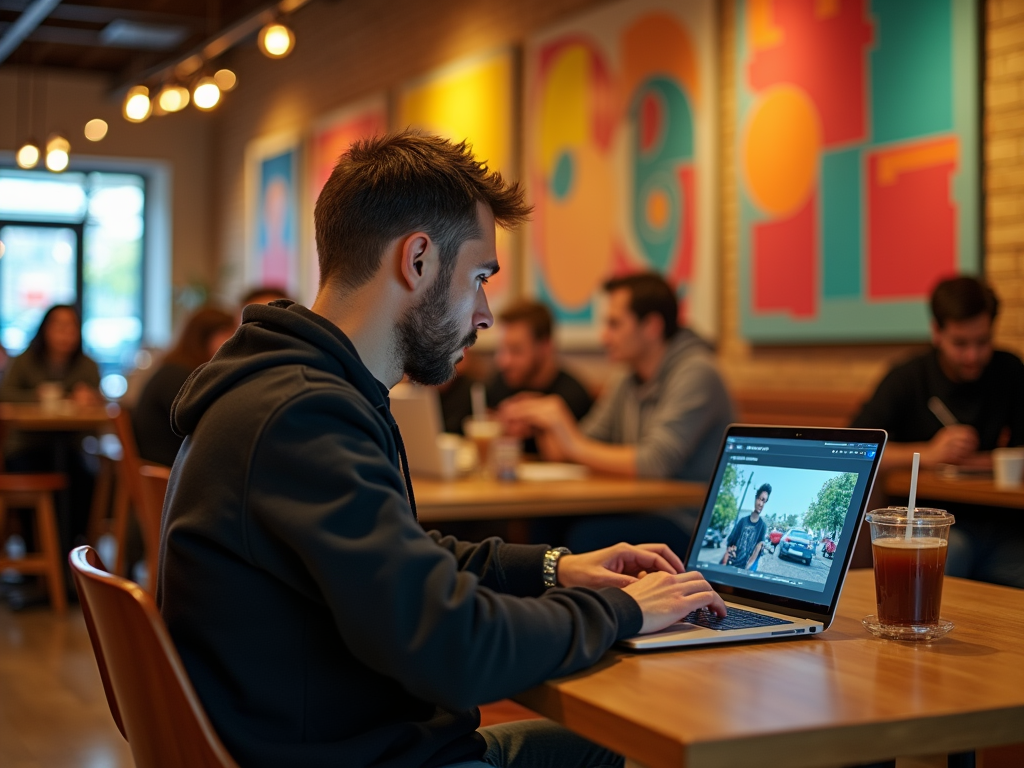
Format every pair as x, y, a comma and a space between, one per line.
119, 528
46, 520
100, 500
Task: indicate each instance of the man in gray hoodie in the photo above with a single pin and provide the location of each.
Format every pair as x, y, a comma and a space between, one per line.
664, 416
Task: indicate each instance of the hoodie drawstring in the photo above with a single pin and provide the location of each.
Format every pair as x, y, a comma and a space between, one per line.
404, 458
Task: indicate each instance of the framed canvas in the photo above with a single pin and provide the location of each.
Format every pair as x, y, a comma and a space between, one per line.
272, 212
330, 137
472, 100
858, 164
620, 157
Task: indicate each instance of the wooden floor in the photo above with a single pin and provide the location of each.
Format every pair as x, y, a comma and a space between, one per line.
52, 710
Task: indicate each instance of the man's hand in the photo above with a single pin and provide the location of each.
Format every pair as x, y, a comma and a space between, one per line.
665, 598
616, 566
549, 418
951, 445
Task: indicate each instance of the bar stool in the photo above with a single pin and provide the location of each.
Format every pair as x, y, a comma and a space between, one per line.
36, 491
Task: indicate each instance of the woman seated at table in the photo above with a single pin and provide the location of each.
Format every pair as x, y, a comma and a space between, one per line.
200, 338
54, 365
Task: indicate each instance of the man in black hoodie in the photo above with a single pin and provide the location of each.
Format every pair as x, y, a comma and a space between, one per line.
319, 623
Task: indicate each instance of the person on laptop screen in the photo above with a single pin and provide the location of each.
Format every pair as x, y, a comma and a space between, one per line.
746, 541
319, 623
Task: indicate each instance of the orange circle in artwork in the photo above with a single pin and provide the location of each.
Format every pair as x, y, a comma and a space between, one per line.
780, 150
657, 209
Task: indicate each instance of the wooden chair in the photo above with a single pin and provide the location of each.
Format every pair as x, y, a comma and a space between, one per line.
36, 491
154, 479
148, 692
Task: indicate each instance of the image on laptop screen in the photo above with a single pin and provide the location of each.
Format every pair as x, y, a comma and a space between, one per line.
782, 514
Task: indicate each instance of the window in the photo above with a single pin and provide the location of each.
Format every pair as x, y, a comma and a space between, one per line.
77, 238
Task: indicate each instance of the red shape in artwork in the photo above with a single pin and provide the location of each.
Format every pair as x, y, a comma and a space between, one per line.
785, 272
912, 219
682, 272
825, 54
650, 122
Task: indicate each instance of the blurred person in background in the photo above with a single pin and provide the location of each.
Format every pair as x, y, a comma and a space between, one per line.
54, 358
662, 417
262, 294
200, 338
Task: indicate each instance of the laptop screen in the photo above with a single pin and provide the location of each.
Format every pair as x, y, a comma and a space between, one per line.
782, 512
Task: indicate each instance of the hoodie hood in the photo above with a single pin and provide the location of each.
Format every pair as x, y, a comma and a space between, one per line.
272, 335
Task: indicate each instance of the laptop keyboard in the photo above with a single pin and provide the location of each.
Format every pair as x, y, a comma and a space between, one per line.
737, 619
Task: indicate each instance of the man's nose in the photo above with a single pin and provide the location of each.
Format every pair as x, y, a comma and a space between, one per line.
482, 317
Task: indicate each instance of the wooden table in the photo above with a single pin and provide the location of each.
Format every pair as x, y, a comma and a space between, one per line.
966, 490
31, 417
841, 698
480, 499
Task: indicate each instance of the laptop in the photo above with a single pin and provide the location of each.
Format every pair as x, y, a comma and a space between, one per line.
417, 410
778, 562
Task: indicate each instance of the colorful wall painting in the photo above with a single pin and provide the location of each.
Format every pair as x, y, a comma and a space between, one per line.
858, 164
330, 137
621, 123
472, 100
272, 213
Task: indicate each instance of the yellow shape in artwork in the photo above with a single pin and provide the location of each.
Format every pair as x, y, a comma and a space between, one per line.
780, 150
658, 207
902, 160
470, 100
565, 109
763, 32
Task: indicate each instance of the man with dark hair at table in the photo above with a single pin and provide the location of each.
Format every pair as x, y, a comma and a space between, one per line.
319, 623
953, 405
663, 417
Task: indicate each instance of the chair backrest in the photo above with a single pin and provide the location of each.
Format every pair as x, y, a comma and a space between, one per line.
154, 478
148, 691
128, 467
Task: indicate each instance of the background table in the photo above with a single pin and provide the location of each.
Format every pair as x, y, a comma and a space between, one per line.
31, 417
482, 499
840, 698
964, 490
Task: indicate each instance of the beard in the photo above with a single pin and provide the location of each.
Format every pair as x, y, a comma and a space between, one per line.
429, 337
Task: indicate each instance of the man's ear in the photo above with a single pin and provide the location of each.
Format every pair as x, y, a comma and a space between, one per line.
418, 256
935, 332
653, 327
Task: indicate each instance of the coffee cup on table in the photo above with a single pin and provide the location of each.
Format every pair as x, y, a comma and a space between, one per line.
50, 394
909, 553
1008, 467
482, 433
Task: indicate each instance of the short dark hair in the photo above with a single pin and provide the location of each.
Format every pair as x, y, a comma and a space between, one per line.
262, 290
38, 345
650, 294
389, 186
535, 315
765, 487
963, 298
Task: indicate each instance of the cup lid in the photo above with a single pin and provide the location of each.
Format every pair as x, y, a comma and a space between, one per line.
923, 516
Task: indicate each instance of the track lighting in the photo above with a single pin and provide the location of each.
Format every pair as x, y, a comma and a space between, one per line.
137, 105
276, 40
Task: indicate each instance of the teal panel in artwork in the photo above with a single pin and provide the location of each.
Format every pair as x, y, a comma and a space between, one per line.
841, 224
911, 69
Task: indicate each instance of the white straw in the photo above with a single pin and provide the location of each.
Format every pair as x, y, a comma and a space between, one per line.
478, 396
913, 494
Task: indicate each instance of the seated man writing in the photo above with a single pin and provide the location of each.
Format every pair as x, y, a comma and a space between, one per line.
953, 405
320, 624
664, 416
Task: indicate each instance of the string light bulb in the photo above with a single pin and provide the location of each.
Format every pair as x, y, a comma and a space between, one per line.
206, 94
276, 40
58, 153
96, 130
226, 79
137, 104
28, 155
173, 98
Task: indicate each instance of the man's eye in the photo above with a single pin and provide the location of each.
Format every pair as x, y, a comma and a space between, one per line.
484, 280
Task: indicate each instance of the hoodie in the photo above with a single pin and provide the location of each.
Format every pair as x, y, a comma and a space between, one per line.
319, 623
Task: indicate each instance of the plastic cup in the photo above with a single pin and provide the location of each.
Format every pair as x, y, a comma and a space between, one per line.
483, 433
505, 454
1008, 467
910, 559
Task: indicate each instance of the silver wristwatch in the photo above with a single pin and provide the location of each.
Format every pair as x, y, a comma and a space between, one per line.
551, 566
